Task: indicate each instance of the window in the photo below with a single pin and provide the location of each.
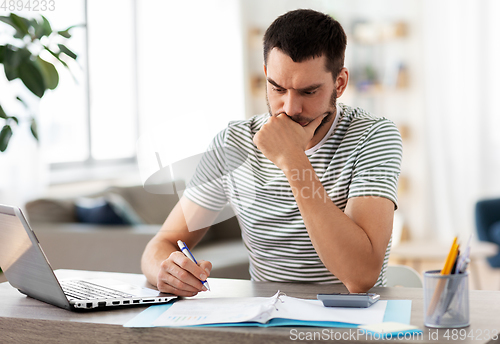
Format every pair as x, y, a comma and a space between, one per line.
98, 122
165, 68
112, 72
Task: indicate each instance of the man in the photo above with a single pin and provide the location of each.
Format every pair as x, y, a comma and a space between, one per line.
316, 191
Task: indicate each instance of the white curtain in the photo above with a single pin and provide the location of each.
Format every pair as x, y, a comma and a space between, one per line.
461, 53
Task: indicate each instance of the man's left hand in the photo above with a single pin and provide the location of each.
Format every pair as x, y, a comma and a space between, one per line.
283, 140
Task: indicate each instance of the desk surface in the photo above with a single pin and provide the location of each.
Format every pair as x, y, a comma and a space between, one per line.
25, 320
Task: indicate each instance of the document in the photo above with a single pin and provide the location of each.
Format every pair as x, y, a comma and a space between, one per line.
193, 312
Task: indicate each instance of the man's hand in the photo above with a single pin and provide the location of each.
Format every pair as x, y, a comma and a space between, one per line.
281, 139
180, 276
164, 265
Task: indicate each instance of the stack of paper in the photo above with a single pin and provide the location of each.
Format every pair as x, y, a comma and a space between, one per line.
262, 310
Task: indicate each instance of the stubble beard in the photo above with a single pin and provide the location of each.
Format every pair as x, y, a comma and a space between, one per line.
330, 113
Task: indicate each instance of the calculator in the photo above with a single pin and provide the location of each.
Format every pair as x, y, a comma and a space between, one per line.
358, 300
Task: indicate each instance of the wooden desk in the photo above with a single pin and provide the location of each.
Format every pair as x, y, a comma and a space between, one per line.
25, 320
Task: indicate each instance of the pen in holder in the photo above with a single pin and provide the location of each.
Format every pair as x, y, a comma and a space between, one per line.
446, 299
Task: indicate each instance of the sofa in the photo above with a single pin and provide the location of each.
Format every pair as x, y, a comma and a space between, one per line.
108, 231
487, 215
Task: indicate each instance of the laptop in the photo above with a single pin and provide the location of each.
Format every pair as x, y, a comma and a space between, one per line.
26, 268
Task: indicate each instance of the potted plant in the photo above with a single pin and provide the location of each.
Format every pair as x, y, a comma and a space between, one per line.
21, 59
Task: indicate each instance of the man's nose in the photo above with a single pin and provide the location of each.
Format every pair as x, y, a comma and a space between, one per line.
292, 104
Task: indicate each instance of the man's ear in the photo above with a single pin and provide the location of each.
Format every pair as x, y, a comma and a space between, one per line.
265, 69
341, 81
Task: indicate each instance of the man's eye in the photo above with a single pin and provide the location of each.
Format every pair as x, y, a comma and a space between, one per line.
309, 93
279, 90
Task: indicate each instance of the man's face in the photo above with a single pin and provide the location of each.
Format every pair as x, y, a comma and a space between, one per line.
303, 91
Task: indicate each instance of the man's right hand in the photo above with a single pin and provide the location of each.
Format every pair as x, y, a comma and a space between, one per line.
180, 276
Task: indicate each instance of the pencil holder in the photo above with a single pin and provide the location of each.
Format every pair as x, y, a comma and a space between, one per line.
446, 299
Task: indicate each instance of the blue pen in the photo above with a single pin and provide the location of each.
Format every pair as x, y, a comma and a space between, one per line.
188, 254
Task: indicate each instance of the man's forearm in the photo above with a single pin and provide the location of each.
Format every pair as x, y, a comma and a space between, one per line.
342, 245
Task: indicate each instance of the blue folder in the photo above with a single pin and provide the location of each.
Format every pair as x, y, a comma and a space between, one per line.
396, 310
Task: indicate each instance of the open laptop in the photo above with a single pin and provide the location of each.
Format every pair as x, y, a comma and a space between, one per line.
26, 268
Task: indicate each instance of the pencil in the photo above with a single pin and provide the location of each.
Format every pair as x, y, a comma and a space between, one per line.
448, 265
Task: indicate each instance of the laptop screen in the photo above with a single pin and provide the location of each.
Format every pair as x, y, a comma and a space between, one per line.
23, 261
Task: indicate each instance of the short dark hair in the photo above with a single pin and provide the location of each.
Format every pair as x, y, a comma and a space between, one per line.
304, 34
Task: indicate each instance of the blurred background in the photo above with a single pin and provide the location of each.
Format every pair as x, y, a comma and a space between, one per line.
175, 73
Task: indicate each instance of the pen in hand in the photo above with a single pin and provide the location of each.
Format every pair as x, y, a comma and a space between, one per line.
188, 254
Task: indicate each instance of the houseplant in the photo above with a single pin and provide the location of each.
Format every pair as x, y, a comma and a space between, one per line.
21, 59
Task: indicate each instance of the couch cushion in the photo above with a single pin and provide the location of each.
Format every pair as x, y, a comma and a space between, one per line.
111, 209
151, 208
99, 212
495, 232
51, 210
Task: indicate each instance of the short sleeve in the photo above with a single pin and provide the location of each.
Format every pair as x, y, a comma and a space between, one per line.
206, 187
378, 164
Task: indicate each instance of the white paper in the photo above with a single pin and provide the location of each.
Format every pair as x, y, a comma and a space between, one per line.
260, 309
314, 310
216, 311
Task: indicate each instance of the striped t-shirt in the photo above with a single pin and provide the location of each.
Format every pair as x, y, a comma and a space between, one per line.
361, 156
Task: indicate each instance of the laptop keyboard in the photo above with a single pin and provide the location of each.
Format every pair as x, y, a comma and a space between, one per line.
81, 290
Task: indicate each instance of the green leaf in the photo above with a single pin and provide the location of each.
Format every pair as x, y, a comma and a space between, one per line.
68, 52
56, 56
22, 101
19, 35
49, 73
5, 136
64, 33
38, 29
2, 52
2, 113
34, 128
62, 62
32, 78
12, 59
47, 30
30, 24
8, 21
15, 119
19, 24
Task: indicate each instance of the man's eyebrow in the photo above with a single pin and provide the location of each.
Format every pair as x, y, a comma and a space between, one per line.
310, 88
274, 83
305, 89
